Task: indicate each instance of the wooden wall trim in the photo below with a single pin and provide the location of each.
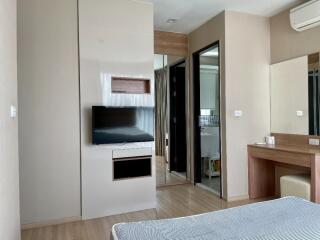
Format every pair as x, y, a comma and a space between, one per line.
130, 85
174, 44
313, 58
294, 139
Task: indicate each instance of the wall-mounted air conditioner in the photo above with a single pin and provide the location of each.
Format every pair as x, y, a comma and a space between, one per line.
305, 16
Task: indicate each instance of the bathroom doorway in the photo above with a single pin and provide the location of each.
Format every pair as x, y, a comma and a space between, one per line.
206, 63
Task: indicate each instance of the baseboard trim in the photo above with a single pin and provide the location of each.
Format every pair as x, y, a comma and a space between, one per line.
238, 198
50, 223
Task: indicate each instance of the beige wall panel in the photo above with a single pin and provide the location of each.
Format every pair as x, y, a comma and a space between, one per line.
247, 89
286, 43
48, 86
9, 161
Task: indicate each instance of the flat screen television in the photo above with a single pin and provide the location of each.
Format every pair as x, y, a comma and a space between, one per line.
122, 125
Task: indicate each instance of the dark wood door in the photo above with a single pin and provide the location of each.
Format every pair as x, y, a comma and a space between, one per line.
178, 156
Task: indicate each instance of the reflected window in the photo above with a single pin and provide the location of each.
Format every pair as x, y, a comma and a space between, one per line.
205, 112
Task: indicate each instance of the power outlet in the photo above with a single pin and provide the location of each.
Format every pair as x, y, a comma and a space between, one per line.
313, 141
13, 111
237, 113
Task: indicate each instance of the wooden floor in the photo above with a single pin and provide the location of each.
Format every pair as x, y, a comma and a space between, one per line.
174, 201
164, 177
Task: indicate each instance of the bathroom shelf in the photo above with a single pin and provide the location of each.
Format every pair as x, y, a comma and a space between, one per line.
210, 173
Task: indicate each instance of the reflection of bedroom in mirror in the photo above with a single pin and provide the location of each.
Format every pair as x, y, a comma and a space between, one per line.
170, 120
314, 94
295, 96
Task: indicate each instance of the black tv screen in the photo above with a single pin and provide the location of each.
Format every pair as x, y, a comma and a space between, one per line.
122, 125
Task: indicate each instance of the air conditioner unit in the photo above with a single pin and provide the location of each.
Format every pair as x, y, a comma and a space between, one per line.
305, 16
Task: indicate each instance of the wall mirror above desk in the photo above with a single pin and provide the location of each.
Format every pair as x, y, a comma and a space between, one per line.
295, 96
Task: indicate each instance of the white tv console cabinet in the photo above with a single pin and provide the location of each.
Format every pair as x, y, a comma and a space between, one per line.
102, 194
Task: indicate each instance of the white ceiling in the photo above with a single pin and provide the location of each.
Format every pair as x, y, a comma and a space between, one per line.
193, 13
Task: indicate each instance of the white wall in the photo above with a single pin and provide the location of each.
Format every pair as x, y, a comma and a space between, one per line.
247, 89
49, 110
116, 39
9, 163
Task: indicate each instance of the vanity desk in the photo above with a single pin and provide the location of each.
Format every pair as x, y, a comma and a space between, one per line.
262, 160
295, 103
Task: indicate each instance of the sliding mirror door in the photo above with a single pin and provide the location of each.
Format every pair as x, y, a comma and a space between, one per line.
161, 115
170, 120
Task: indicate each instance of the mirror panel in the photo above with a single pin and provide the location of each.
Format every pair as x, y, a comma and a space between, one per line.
161, 70
165, 173
295, 96
314, 94
289, 94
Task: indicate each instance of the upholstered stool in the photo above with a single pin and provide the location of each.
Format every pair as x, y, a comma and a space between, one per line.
296, 185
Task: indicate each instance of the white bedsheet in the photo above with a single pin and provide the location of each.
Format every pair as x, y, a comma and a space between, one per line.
282, 219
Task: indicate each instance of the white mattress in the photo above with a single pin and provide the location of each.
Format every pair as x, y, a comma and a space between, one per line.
282, 219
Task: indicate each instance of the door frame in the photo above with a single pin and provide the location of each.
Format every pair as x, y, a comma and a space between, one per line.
175, 64
196, 112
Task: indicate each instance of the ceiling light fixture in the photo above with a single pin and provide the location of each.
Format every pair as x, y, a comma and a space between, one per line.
172, 20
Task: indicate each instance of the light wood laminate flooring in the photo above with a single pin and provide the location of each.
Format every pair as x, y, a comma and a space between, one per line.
172, 201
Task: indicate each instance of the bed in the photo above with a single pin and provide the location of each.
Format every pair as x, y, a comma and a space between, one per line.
282, 219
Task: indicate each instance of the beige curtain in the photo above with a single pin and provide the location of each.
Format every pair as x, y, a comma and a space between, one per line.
161, 110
